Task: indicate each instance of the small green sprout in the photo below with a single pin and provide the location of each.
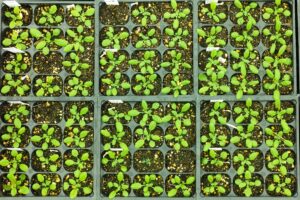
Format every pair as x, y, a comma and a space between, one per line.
245, 60
19, 38
83, 16
279, 162
177, 37
280, 185
50, 16
244, 15
18, 64
17, 116
16, 184
177, 14
15, 83
209, 36
214, 138
77, 138
215, 187
247, 183
114, 38
76, 65
246, 163
178, 86
178, 184
45, 185
149, 186
14, 162
15, 17
51, 162
46, 137
214, 84
145, 84
79, 86
14, 135
111, 61
147, 16
115, 84
211, 13
47, 86
78, 116
79, 160
177, 63
145, 64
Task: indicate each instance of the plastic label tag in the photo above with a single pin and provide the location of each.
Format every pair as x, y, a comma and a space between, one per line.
221, 59
115, 101
211, 1
216, 100
112, 2
13, 50
232, 126
11, 3
71, 6
212, 48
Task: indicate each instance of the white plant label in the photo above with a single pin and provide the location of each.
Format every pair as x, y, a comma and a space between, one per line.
13, 50
11, 3
216, 100
211, 1
71, 6
212, 48
112, 2
115, 101
221, 59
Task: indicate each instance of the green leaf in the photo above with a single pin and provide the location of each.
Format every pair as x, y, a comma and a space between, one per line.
172, 192
136, 186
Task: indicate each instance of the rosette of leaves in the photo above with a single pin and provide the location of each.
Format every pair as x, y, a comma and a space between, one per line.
250, 112
145, 13
78, 184
45, 184
281, 185
277, 81
215, 159
177, 62
114, 38
145, 84
82, 15
178, 86
245, 61
244, 15
111, 61
279, 9
79, 160
146, 135
180, 114
47, 138
149, 186
116, 115
77, 138
146, 38
214, 137
212, 13
77, 116
217, 113
280, 114
47, 87
14, 162
243, 85
18, 38
211, 36
177, 37
179, 185
278, 60
248, 37
179, 139
245, 163
17, 65
14, 135
76, 64
15, 83
214, 84
115, 159
116, 84
119, 187
177, 14
52, 161
145, 63
216, 185
17, 116
280, 161
50, 16
245, 135
279, 135
16, 184
79, 86
15, 17
248, 184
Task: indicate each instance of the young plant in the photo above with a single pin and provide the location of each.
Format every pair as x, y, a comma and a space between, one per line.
215, 185
14, 135
212, 13
177, 14
149, 186
77, 138
47, 137
115, 159
111, 62
146, 136
179, 138
15, 17
278, 60
145, 64
178, 86
146, 38
247, 183
145, 84
18, 38
116, 84
83, 16
76, 65
15, 83
147, 16
49, 16
80, 162
217, 111
115, 139
14, 162
50, 161
78, 184
77, 39
276, 81
280, 185
44, 184
118, 188
47, 87
114, 38
79, 86
215, 159
246, 163
177, 37
246, 38
244, 15
45, 40
16, 184
279, 9
280, 161
117, 116
245, 135
177, 63
243, 85
245, 61
16, 115
77, 116
279, 136
247, 113
17, 65
214, 137
216, 65
184, 186
213, 85
211, 36
180, 114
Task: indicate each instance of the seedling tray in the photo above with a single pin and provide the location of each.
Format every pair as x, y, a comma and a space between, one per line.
193, 97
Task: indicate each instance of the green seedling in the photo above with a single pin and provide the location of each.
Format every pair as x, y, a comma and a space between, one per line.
180, 185
77, 138
245, 135
246, 164
244, 61
115, 139
147, 40
46, 39
246, 37
117, 116
279, 161
80, 162
47, 137
115, 159
216, 65
116, 84
277, 10
77, 183
280, 185
214, 138
212, 85
177, 63
211, 36
147, 16
215, 159
177, 14
15, 17
211, 13
14, 163
179, 138
146, 63
83, 16
278, 80
145, 83
278, 38
279, 136
247, 184
17, 65
47, 88
49, 16
51, 161
77, 40
114, 38
78, 116
79, 87
177, 37
278, 60
15, 115
244, 14
279, 114
19, 38
216, 111
177, 86
76, 65
111, 62
16, 184
14, 135
246, 113
15, 83
180, 114
214, 185
146, 136
149, 185
244, 85
44, 184
118, 188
